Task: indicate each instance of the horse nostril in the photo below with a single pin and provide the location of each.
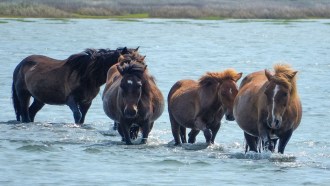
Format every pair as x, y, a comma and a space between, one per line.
230, 117
277, 123
130, 113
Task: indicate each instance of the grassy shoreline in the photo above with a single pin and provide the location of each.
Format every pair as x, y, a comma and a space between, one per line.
194, 9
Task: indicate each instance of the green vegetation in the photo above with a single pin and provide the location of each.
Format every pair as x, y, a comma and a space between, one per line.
196, 9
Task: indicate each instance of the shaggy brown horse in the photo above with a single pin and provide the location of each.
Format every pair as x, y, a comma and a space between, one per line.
74, 81
132, 97
268, 108
200, 105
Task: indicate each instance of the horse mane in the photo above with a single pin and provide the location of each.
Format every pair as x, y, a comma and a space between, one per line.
84, 63
228, 74
130, 66
285, 75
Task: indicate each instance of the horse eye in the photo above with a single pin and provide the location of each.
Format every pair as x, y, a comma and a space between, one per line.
285, 94
139, 84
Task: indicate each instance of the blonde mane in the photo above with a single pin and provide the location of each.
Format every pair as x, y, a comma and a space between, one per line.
228, 74
286, 76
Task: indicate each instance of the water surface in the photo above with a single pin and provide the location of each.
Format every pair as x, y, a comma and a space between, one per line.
54, 151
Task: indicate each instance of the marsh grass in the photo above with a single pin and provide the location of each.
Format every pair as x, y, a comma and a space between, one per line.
206, 9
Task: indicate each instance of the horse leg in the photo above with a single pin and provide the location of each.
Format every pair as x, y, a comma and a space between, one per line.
34, 108
192, 135
83, 109
183, 134
74, 108
146, 131
117, 125
207, 132
215, 128
284, 139
251, 142
207, 135
175, 126
134, 131
274, 142
124, 128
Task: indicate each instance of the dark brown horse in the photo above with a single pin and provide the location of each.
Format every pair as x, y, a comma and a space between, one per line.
200, 105
74, 81
132, 97
268, 108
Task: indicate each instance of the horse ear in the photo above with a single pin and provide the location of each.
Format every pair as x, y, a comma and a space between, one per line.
238, 76
268, 75
293, 74
137, 49
143, 58
121, 57
124, 51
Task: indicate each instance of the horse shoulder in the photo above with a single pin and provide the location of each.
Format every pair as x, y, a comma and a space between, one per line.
112, 76
111, 101
294, 113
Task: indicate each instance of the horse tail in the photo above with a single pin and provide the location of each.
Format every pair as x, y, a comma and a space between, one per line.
15, 99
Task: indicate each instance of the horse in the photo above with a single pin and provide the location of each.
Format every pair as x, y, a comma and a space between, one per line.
131, 97
267, 108
200, 105
74, 81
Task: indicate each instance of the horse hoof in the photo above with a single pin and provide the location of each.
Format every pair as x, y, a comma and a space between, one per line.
143, 141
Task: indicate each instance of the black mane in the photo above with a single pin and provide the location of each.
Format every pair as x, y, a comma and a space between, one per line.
91, 65
127, 66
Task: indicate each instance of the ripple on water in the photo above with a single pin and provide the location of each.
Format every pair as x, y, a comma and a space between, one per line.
170, 162
92, 150
37, 148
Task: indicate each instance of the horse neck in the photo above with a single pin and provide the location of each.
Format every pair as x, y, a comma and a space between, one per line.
147, 87
100, 70
204, 94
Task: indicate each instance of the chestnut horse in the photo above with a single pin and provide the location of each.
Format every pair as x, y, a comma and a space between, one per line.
132, 97
74, 81
268, 108
200, 105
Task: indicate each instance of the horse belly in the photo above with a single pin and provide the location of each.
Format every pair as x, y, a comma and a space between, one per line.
184, 116
110, 103
246, 114
46, 90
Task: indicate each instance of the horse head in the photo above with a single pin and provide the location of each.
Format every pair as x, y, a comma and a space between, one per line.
278, 93
131, 84
220, 90
227, 93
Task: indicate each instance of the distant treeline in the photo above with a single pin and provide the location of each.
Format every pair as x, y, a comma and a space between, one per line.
198, 9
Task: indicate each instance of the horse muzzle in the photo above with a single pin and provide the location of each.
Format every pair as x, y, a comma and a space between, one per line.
274, 123
130, 112
230, 117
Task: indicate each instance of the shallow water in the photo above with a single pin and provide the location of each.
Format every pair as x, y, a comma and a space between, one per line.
54, 151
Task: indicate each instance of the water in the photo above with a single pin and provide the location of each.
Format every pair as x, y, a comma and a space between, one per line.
54, 151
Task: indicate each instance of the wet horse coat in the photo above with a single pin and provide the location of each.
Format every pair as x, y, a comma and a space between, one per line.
132, 97
200, 105
267, 108
74, 81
